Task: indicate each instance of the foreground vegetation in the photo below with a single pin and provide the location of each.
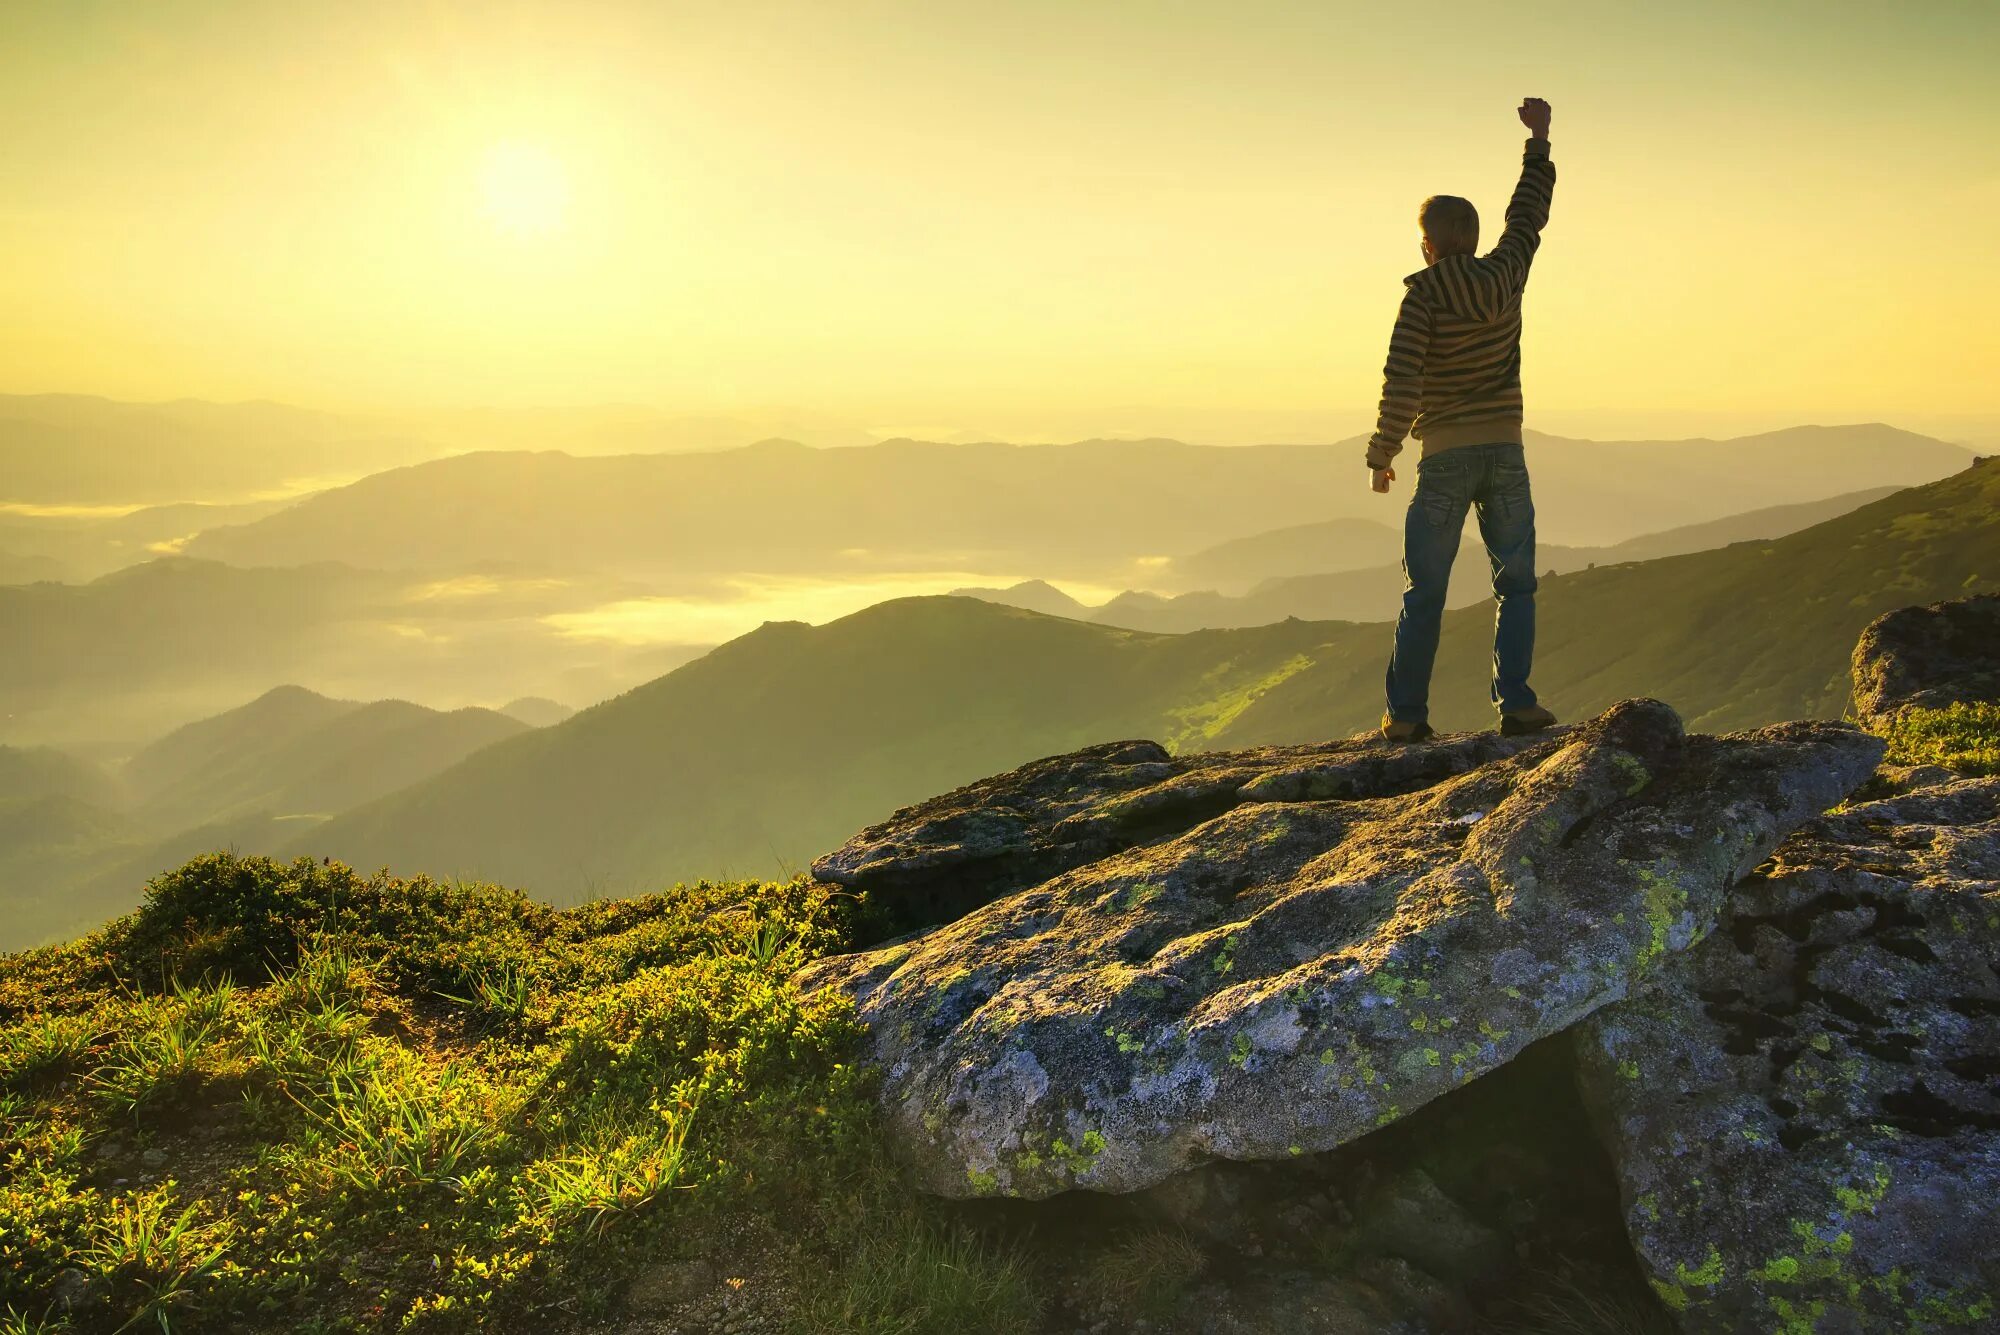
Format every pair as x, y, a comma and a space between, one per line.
1961, 737
289, 1096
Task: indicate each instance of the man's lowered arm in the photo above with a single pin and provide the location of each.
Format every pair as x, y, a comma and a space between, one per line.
1402, 387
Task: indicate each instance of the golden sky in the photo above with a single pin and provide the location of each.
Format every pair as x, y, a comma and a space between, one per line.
955, 214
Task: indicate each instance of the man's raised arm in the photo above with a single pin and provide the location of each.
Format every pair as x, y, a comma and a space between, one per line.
1528, 210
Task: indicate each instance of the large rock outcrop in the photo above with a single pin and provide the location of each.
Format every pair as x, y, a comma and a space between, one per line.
1804, 1112
1928, 658
1264, 955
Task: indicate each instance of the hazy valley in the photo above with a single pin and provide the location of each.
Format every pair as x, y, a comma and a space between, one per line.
189, 678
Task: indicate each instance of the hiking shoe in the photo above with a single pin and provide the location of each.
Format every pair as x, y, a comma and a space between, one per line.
1406, 732
1522, 721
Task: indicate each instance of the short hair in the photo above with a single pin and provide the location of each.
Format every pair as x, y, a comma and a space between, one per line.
1450, 224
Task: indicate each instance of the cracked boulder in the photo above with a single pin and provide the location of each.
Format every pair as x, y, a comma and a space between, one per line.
1928, 658
1316, 960
1805, 1111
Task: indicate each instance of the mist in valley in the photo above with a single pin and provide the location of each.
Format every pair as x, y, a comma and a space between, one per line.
221, 639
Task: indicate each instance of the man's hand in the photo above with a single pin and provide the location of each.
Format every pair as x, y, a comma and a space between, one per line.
1381, 478
1535, 115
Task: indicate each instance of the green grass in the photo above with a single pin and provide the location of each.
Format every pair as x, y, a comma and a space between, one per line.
1961, 737
1565, 1305
910, 1274
1147, 1272
384, 1104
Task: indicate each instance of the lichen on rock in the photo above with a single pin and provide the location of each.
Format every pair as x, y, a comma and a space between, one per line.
1260, 954
1805, 1111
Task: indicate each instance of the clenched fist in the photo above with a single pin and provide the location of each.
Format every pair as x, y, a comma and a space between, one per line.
1534, 114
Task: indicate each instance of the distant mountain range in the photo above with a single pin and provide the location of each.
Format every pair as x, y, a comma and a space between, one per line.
1302, 549
108, 664
76, 548
293, 752
1277, 564
773, 747
763, 753
78, 450
537, 711
1072, 510
77, 837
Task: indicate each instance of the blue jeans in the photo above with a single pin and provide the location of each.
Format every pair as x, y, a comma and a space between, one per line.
1494, 478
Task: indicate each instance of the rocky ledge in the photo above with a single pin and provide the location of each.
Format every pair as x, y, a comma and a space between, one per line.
1805, 1112
1782, 1014
1298, 970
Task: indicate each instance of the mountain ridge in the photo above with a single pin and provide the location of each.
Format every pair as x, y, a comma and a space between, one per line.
696, 772
1073, 508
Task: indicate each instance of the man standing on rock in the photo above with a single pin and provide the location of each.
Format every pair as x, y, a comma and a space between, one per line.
1453, 382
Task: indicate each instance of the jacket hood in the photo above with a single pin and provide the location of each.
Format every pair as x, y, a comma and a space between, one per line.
1461, 285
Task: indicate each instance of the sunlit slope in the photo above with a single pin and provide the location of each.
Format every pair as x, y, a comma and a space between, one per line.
778, 745
1742, 635
1046, 510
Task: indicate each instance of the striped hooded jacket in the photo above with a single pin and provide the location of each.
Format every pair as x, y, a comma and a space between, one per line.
1454, 371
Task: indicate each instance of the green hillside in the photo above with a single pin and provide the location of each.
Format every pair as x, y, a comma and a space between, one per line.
778, 745
1359, 576
1743, 635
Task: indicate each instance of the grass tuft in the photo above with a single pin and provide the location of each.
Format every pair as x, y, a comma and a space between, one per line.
1149, 1271
909, 1274
1964, 738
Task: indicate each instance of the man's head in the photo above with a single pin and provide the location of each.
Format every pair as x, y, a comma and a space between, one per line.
1450, 226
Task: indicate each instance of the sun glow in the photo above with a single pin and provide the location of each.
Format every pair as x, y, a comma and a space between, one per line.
523, 188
